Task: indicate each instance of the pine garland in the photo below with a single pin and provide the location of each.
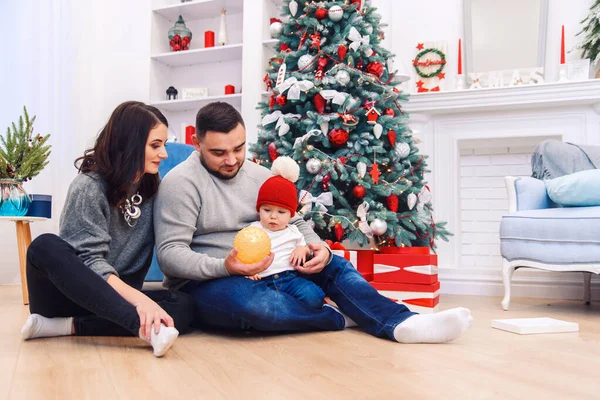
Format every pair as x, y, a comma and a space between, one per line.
591, 43
23, 155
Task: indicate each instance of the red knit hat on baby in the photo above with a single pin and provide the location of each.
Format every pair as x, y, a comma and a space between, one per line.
279, 190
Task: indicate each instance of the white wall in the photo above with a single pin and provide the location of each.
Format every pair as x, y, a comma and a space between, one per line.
71, 66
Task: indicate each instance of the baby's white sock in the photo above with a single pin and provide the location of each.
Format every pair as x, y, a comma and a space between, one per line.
37, 326
163, 340
442, 327
348, 323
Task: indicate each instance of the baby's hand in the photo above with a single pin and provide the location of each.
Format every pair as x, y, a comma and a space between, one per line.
299, 255
254, 277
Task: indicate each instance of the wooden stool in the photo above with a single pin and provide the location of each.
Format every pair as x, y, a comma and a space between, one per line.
23, 242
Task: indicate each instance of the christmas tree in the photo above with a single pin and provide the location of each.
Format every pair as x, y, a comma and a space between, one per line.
23, 155
335, 110
591, 43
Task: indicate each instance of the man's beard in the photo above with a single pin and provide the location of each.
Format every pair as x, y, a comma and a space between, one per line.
218, 174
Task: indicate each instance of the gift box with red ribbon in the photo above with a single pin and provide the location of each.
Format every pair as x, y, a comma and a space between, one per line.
362, 260
405, 265
423, 299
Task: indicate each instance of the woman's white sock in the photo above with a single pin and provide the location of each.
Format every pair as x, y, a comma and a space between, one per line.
38, 326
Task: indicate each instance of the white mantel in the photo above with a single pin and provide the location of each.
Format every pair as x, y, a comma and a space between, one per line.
507, 98
445, 121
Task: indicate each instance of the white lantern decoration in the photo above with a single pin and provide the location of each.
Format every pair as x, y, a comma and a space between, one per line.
402, 149
307, 63
313, 165
342, 77
362, 169
411, 200
377, 130
324, 127
335, 13
378, 226
293, 7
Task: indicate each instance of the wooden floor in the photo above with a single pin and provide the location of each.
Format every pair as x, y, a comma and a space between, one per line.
483, 364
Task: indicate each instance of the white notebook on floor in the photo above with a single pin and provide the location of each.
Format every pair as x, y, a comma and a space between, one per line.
528, 326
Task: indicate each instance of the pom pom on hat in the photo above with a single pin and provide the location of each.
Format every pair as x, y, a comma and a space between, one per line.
286, 167
279, 190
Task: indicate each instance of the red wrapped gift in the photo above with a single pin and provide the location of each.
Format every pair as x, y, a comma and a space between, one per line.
418, 298
404, 250
362, 260
401, 268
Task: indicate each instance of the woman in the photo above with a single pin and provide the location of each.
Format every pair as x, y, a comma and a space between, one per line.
88, 281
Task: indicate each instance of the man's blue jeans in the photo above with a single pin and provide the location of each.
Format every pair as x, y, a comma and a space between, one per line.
237, 302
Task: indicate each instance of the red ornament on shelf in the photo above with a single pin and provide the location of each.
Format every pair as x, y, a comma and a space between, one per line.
339, 231
281, 99
272, 149
392, 137
209, 39
321, 13
319, 103
390, 112
342, 50
359, 192
375, 68
338, 137
392, 202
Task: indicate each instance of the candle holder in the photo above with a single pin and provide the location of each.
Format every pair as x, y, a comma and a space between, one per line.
460, 82
562, 74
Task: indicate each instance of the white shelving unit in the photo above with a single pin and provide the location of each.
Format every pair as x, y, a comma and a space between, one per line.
241, 63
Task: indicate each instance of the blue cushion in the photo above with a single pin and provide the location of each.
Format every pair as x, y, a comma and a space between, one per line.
578, 189
178, 152
552, 236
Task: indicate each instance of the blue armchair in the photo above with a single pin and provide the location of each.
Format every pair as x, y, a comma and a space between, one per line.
178, 152
536, 233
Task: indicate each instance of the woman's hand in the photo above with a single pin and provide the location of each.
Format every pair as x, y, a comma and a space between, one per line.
151, 314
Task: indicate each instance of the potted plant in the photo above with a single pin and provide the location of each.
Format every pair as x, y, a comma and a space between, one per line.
23, 155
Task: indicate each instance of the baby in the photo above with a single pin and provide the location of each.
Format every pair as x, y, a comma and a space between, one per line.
276, 205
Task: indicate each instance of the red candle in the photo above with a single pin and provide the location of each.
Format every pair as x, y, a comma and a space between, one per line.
189, 132
209, 39
459, 57
562, 46
229, 89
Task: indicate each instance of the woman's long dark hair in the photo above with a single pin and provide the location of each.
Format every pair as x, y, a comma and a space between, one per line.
120, 151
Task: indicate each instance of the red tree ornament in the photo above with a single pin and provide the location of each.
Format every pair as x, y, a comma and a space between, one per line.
392, 202
392, 137
342, 50
375, 68
359, 192
375, 173
284, 47
321, 13
338, 137
281, 99
339, 231
357, 2
272, 100
325, 181
272, 151
319, 103
390, 112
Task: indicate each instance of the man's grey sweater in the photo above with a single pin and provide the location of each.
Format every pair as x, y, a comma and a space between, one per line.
197, 215
100, 235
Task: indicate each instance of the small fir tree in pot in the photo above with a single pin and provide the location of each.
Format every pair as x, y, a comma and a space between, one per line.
591, 42
23, 155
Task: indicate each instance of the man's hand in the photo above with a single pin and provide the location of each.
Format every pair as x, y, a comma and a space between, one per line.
299, 256
236, 267
318, 262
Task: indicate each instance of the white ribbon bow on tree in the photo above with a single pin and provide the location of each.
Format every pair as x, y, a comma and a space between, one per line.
336, 97
363, 225
313, 132
282, 127
358, 40
307, 200
295, 87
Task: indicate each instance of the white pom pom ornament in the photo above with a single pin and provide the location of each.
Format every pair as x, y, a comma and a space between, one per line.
287, 168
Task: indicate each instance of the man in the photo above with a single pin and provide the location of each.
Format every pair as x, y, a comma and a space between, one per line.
204, 201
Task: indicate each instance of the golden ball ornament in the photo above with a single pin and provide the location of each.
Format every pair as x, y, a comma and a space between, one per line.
253, 244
